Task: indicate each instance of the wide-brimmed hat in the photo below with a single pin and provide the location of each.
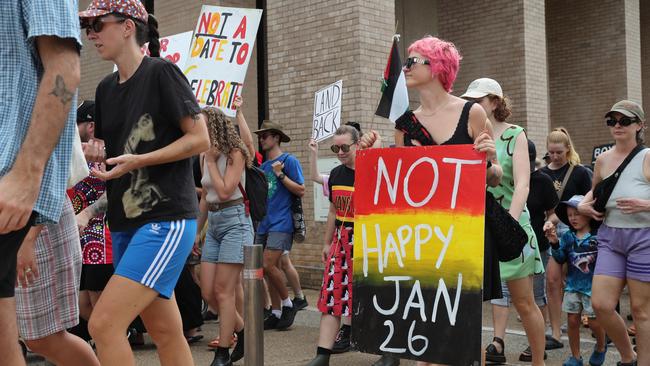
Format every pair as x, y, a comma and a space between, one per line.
482, 87
628, 108
273, 127
130, 8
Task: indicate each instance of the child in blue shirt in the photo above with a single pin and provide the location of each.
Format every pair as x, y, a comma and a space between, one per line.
578, 247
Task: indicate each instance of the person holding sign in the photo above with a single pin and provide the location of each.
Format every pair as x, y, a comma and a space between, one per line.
624, 237
152, 126
431, 68
512, 150
335, 300
229, 229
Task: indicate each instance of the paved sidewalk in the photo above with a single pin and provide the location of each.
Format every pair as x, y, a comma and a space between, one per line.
297, 346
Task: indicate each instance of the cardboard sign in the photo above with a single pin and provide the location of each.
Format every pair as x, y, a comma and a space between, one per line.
418, 253
327, 111
599, 150
219, 55
173, 48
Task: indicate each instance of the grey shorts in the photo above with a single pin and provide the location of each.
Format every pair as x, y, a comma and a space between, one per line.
228, 231
275, 240
577, 303
539, 288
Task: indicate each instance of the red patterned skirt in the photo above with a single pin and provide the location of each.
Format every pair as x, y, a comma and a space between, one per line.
336, 291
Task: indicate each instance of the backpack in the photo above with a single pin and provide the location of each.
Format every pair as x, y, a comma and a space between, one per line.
256, 193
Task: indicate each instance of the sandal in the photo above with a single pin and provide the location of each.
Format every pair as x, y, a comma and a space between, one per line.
193, 339
527, 355
631, 330
491, 353
552, 343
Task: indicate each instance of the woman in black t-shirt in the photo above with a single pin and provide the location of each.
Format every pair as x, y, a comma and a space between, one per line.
564, 158
151, 125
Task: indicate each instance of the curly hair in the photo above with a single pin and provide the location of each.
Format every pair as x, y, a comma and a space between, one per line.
503, 108
223, 134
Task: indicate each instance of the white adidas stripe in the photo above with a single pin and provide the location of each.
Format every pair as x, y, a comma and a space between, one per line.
171, 253
171, 235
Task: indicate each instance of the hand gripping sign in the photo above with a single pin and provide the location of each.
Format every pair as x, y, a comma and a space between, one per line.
219, 54
418, 253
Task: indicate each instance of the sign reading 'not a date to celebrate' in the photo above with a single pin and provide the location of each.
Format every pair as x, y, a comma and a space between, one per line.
418, 253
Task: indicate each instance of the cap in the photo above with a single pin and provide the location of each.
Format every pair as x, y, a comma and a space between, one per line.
130, 8
482, 87
86, 111
628, 108
561, 209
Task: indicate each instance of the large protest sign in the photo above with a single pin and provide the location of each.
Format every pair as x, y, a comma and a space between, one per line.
174, 48
418, 253
327, 111
219, 55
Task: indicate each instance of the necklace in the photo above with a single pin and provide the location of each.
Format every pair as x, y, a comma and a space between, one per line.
436, 110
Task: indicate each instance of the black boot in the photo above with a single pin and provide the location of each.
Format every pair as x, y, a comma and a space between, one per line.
238, 351
387, 360
221, 357
322, 357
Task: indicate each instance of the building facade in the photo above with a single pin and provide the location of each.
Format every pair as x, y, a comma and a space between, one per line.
562, 63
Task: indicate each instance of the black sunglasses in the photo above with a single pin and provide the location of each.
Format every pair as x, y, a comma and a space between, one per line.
343, 147
98, 24
415, 60
624, 122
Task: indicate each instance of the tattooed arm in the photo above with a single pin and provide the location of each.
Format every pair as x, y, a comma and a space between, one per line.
21, 185
99, 207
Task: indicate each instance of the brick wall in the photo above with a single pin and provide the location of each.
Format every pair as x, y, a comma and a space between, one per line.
503, 40
310, 45
586, 62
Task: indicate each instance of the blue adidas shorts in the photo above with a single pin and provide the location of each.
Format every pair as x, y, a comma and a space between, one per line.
154, 254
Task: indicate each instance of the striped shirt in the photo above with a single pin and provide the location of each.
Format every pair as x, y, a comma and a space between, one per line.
21, 22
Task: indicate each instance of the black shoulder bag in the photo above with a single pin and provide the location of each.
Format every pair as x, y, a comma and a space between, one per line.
604, 188
510, 238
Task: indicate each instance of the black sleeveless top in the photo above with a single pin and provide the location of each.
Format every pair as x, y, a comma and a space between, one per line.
413, 130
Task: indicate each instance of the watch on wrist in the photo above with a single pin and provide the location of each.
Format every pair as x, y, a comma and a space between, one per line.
281, 176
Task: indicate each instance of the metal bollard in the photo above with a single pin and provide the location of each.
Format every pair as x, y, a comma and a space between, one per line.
253, 313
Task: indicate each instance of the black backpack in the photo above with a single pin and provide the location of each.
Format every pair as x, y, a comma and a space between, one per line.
256, 193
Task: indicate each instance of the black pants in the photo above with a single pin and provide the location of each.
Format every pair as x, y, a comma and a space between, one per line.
188, 297
9, 245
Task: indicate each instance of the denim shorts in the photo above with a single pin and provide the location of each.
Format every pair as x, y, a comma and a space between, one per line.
275, 240
577, 303
539, 288
624, 253
228, 231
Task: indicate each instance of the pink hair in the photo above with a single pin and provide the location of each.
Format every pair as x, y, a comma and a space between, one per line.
443, 56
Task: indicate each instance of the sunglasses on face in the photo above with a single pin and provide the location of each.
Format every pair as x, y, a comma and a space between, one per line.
263, 136
624, 122
415, 60
343, 147
97, 25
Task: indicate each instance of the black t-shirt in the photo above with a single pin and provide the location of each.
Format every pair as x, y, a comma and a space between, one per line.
541, 198
579, 182
139, 116
341, 187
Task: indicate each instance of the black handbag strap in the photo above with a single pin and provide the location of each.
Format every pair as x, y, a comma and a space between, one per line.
628, 158
564, 182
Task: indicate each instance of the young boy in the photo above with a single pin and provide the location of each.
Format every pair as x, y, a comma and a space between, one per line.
578, 247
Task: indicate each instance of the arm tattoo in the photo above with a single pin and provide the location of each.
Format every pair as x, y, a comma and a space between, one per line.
61, 91
100, 206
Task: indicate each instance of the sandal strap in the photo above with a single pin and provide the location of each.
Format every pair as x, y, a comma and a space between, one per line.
499, 341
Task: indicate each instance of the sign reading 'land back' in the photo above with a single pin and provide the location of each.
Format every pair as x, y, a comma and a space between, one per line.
219, 55
418, 253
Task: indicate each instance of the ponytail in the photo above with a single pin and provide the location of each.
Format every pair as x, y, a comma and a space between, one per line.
560, 135
149, 33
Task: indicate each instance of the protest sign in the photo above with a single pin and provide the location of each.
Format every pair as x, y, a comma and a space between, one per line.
599, 150
219, 54
174, 48
418, 253
327, 111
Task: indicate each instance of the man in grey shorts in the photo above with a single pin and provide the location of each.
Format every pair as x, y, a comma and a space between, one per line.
275, 231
